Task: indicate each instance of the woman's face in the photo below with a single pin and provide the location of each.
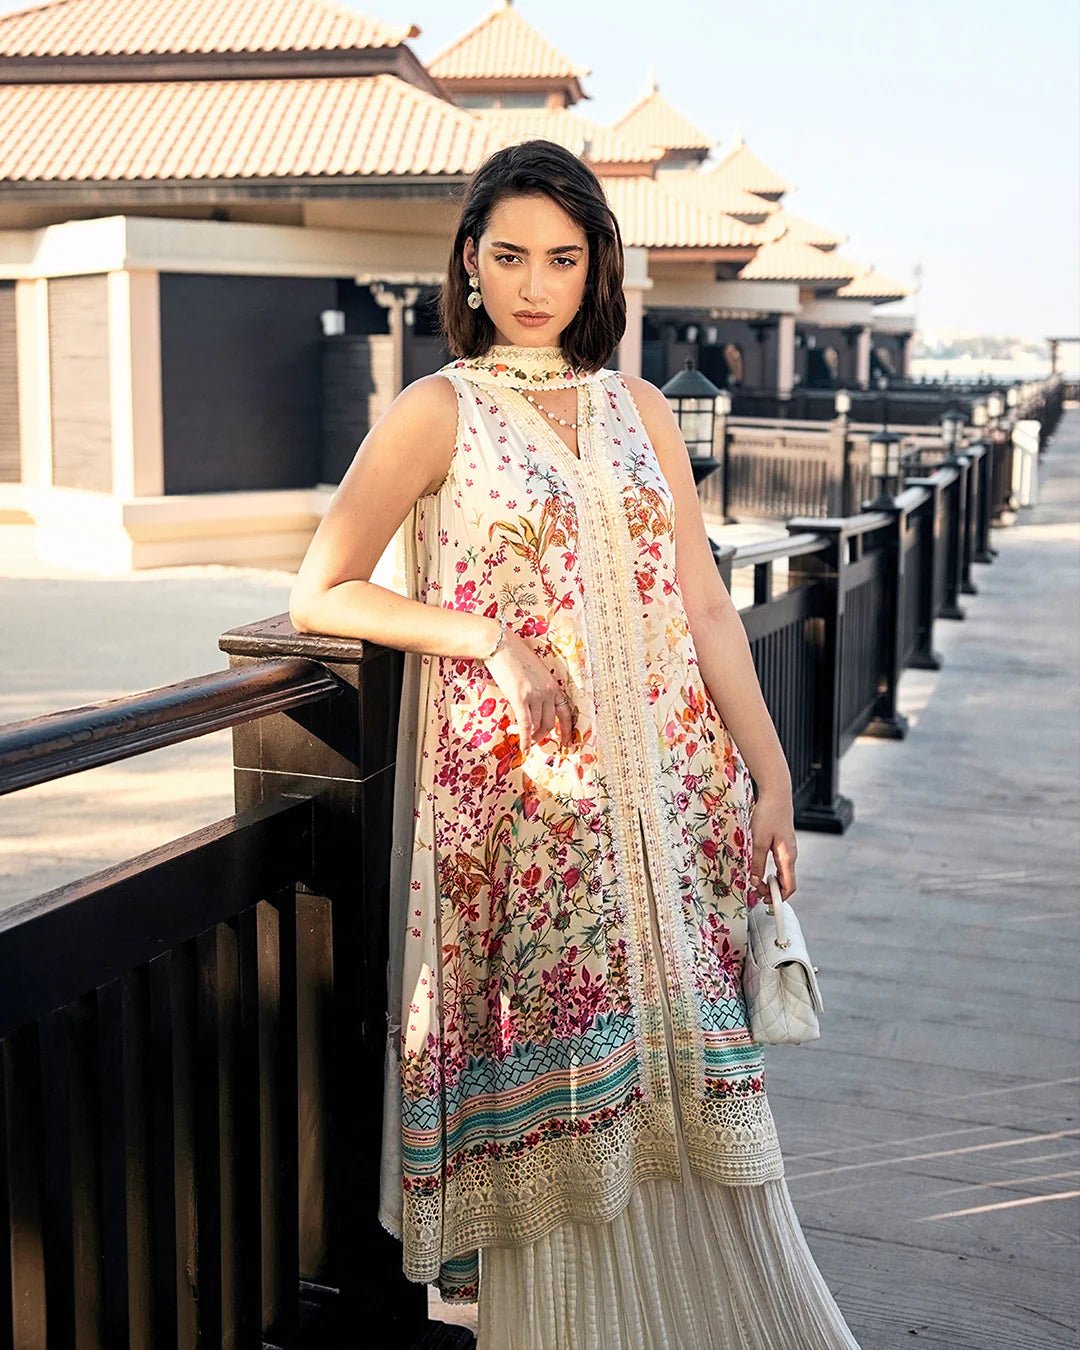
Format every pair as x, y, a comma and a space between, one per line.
532, 257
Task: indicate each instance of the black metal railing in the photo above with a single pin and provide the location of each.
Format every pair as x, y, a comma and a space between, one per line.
773, 471
191, 1043
901, 402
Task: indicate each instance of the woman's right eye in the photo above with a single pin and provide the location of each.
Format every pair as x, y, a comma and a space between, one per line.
505, 257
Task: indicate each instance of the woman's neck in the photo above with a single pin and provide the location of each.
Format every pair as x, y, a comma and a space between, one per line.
515, 365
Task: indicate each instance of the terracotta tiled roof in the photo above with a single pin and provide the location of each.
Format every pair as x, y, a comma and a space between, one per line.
806, 230
101, 27
503, 44
740, 167
789, 258
871, 285
649, 217
565, 127
232, 129
705, 189
653, 121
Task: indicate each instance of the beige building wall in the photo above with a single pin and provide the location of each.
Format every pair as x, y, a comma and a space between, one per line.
137, 525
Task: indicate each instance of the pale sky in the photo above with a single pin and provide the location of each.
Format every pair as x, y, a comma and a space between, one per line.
944, 133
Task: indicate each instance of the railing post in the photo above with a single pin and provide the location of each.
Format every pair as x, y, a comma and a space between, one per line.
970, 462
950, 549
924, 657
726, 518
826, 810
984, 553
838, 471
340, 752
848, 505
887, 722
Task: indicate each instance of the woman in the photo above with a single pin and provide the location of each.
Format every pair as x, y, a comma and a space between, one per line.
571, 1086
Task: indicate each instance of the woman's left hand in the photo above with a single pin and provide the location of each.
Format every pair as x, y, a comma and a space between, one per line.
772, 827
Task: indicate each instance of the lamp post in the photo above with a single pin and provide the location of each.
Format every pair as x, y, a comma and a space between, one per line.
693, 399
723, 412
952, 431
842, 403
884, 467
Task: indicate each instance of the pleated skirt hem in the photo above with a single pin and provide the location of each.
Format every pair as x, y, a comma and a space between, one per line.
688, 1265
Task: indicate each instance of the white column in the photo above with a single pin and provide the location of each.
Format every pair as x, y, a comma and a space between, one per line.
636, 281
785, 354
138, 440
862, 357
35, 398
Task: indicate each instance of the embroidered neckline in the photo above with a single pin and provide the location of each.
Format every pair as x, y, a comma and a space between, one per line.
514, 366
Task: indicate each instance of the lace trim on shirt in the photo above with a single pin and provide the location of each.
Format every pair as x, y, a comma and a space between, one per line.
584, 1178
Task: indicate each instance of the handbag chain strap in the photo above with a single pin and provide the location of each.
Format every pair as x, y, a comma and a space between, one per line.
776, 908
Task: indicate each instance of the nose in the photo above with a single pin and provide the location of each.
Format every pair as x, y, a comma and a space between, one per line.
532, 286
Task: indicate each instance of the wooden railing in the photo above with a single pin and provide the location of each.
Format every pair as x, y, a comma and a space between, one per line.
863, 593
189, 1117
907, 402
773, 471
191, 1043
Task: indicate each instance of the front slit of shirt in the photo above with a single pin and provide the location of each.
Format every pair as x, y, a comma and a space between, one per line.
662, 981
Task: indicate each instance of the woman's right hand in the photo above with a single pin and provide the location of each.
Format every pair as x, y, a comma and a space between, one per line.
532, 691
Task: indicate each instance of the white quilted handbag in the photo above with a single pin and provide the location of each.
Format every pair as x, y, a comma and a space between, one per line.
779, 980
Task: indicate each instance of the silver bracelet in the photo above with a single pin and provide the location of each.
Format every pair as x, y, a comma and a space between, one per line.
502, 634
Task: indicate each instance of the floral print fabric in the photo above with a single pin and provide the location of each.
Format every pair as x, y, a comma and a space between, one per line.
529, 1073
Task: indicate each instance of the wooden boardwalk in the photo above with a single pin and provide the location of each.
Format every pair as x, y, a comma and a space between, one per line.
932, 1136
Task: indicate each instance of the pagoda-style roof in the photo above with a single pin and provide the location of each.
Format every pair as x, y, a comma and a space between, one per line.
784, 220
597, 144
789, 258
650, 217
705, 189
231, 133
871, 285
70, 41
654, 121
121, 28
501, 47
740, 167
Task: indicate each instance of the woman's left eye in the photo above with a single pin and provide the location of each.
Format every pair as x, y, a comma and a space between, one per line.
510, 257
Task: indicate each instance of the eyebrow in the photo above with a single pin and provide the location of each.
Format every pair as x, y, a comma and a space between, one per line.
518, 248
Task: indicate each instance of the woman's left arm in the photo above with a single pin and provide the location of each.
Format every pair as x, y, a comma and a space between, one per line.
723, 650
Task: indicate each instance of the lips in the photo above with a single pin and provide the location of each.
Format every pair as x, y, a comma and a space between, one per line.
530, 314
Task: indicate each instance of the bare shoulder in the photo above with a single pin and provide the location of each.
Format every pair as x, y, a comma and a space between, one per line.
423, 421
430, 396
656, 411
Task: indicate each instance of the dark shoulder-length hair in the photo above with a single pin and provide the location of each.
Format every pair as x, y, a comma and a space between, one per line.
530, 168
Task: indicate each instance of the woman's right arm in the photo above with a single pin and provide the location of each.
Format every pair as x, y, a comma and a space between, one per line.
406, 454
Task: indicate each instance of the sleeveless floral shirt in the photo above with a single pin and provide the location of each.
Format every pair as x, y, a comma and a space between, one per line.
528, 1080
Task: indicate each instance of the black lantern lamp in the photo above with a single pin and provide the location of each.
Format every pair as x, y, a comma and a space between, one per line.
693, 398
884, 466
952, 431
